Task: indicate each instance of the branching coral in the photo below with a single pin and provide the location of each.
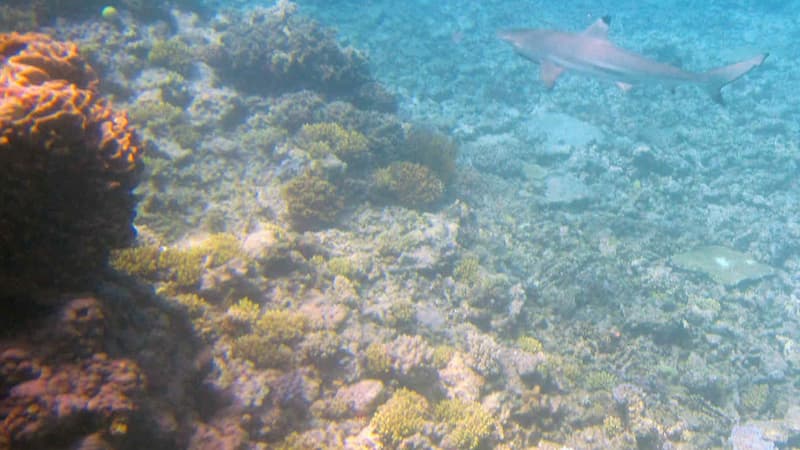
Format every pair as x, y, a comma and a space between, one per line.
401, 416
68, 164
468, 423
184, 267
269, 335
377, 360
293, 110
261, 351
410, 184
432, 149
244, 311
320, 139
173, 54
467, 269
529, 344
312, 202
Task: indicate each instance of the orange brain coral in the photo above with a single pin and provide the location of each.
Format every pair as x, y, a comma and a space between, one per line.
49, 101
68, 165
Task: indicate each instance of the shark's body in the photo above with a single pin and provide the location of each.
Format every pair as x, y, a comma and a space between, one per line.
591, 53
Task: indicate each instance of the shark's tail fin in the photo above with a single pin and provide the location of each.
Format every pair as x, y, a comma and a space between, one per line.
717, 78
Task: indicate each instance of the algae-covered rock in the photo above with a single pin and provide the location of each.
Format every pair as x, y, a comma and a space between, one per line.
722, 264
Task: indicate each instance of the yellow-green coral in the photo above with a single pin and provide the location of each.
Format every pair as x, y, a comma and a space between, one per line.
173, 54
165, 119
218, 248
328, 137
468, 423
180, 266
267, 344
281, 325
156, 114
184, 267
138, 261
344, 266
401, 416
311, 201
378, 362
597, 380
410, 184
612, 426
466, 270
244, 311
263, 140
261, 351
442, 354
529, 344
194, 305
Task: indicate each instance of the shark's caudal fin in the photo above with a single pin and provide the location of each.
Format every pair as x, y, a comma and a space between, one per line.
717, 78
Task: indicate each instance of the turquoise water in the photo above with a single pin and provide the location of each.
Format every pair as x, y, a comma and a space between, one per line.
395, 235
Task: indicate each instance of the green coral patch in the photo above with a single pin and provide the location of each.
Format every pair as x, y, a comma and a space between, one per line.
723, 265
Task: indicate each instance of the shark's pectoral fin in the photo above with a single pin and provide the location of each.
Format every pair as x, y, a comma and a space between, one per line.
549, 73
599, 29
624, 86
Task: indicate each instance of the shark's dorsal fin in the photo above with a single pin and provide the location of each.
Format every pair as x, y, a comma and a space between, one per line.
599, 29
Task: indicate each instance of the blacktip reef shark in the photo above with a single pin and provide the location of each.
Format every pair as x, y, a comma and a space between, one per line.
592, 53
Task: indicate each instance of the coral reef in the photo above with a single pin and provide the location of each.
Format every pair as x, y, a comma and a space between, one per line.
403, 415
362, 397
433, 150
312, 202
468, 423
15, 18
409, 184
276, 51
87, 373
183, 267
68, 164
104, 390
173, 54
377, 360
529, 344
519, 315
51, 10
320, 139
294, 109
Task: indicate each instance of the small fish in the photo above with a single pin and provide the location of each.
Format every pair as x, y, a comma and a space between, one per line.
593, 54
